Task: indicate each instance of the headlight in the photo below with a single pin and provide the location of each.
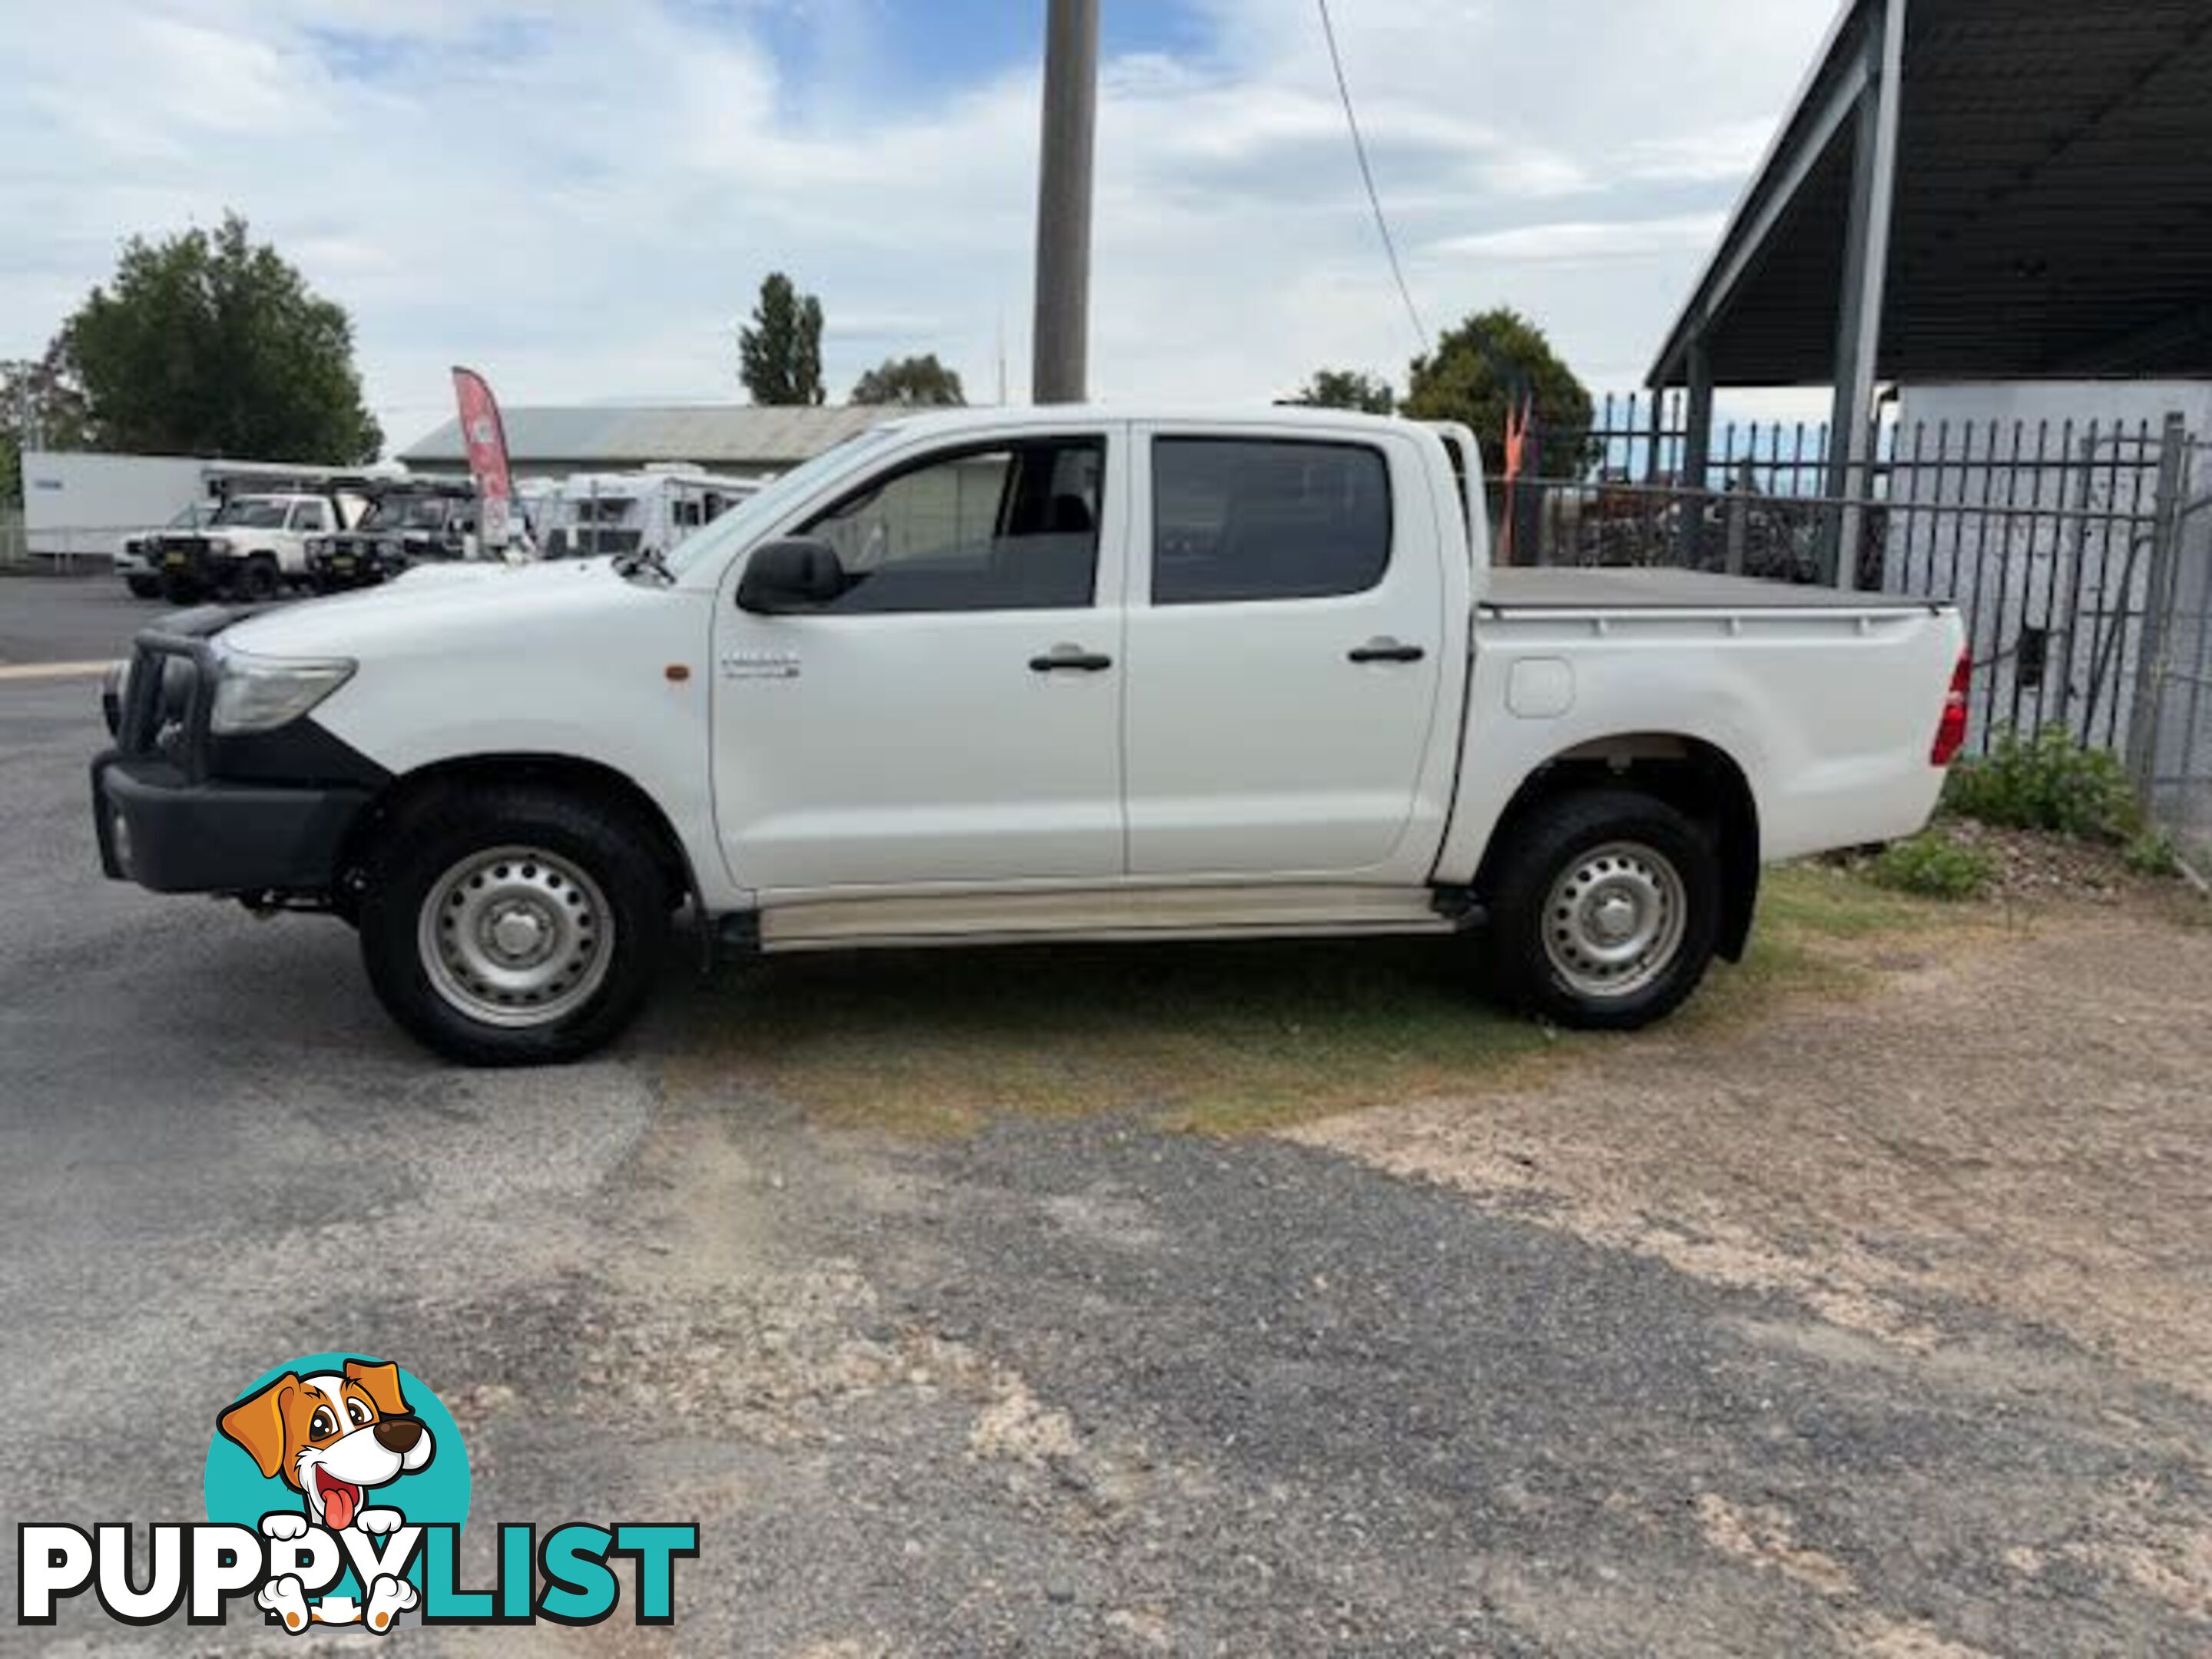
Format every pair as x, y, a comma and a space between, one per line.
259, 693
218, 544
318, 545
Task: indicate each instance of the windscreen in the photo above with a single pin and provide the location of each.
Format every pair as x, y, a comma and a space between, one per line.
252, 513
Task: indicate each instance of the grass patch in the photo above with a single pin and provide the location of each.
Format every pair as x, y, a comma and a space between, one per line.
1223, 1039
2153, 855
1814, 901
1933, 865
2048, 782
1226, 1038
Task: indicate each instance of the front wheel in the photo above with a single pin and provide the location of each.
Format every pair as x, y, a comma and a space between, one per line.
1605, 910
515, 925
143, 587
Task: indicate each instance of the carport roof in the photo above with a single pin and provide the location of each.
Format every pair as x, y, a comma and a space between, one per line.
2053, 209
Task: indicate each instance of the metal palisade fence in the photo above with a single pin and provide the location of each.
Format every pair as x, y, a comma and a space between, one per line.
2077, 550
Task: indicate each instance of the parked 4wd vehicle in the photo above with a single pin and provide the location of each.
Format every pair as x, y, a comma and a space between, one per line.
134, 562
1060, 673
253, 548
405, 525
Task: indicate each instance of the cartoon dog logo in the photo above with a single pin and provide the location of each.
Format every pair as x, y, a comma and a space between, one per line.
334, 1437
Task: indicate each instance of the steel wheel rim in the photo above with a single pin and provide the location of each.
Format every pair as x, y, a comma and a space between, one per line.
1614, 919
515, 936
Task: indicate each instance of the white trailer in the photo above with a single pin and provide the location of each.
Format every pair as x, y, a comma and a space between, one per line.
81, 506
78, 504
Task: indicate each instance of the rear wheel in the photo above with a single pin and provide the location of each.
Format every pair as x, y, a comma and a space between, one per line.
514, 926
1605, 910
260, 580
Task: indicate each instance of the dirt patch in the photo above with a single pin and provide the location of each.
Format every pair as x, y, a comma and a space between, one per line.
1766, 1536
1015, 1426
2013, 1116
1878, 1637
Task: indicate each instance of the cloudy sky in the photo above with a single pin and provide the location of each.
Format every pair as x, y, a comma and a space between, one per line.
580, 198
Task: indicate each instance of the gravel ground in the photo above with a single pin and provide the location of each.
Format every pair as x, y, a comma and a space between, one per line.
1876, 1327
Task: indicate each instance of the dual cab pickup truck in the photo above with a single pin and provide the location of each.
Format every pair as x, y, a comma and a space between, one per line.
1022, 675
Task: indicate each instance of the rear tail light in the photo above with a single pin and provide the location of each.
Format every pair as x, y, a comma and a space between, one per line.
1951, 729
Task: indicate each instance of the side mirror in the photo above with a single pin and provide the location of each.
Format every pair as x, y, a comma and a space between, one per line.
796, 574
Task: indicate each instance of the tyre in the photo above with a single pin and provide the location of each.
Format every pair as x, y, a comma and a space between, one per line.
143, 587
1604, 911
259, 579
515, 925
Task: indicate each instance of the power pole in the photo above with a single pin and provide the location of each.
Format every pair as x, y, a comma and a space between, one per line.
1060, 352
29, 433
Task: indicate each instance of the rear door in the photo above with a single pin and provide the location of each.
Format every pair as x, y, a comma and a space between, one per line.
1286, 639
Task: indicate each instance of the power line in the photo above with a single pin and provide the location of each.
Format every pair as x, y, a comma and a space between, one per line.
1367, 175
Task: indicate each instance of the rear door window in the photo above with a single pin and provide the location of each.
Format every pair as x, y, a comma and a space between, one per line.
1238, 520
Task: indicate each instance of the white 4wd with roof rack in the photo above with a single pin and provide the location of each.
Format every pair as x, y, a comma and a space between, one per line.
253, 548
1022, 675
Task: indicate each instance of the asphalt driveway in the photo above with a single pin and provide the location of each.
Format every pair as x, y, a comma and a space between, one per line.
1075, 1382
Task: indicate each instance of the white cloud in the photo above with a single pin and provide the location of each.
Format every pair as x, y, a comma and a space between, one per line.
581, 199
1724, 153
1590, 241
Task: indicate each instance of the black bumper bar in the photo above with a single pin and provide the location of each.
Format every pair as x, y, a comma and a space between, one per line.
178, 809
174, 836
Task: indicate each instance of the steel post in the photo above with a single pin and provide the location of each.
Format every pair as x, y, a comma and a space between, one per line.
2151, 641
1866, 270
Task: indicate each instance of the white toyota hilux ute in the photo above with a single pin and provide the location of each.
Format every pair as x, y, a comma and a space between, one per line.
1062, 674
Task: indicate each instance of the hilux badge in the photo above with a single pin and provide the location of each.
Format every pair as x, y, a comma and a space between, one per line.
759, 665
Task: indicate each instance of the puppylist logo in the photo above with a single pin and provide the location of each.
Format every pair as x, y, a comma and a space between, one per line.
336, 1487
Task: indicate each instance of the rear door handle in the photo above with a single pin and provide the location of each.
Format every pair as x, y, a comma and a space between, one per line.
1070, 660
1383, 648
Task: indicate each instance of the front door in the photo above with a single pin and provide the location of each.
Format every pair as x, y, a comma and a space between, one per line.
1285, 632
954, 714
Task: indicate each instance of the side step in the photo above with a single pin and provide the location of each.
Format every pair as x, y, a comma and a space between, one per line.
1123, 914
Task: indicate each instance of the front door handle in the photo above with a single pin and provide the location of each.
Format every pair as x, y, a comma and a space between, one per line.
1383, 648
1070, 660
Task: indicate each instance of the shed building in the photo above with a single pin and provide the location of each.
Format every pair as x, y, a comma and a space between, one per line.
546, 440
1983, 191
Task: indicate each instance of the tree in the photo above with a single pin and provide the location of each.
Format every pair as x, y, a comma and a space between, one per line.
1484, 368
206, 344
780, 353
910, 383
42, 407
1347, 388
